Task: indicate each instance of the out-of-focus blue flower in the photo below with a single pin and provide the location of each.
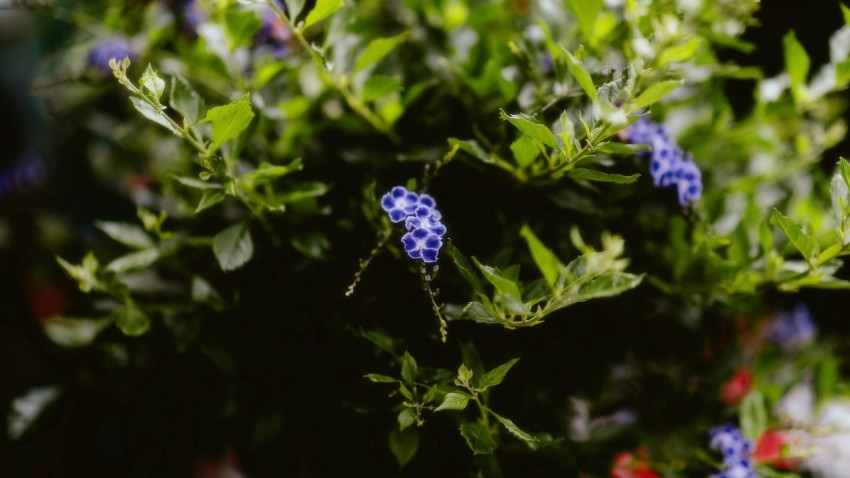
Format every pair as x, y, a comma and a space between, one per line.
425, 218
422, 244
736, 450
399, 203
27, 172
275, 35
193, 15
792, 329
116, 47
668, 165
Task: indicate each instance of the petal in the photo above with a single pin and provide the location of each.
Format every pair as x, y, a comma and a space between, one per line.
435, 215
438, 229
433, 241
423, 212
387, 202
412, 223
427, 200
397, 215
398, 192
411, 198
419, 234
429, 255
409, 209
415, 253
408, 241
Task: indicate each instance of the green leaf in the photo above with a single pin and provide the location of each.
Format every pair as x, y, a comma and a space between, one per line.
753, 415
844, 169
548, 263
581, 74
842, 72
803, 242
477, 312
526, 149
403, 444
233, 246
127, 234
530, 126
846, 13
828, 376
478, 438
406, 418
796, 62
586, 11
229, 121
453, 401
608, 284
378, 378
502, 283
132, 321
185, 100
473, 149
152, 114
266, 173
514, 430
73, 332
655, 92
196, 183
323, 9
408, 368
593, 175
376, 50
465, 268
135, 261
380, 86
209, 198
682, 52
494, 377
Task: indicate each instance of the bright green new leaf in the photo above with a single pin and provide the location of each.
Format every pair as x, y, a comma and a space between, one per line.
453, 401
804, 243
185, 100
266, 173
233, 246
526, 149
406, 418
380, 86
514, 430
210, 198
376, 50
548, 263
229, 121
581, 75
827, 379
478, 438
403, 444
844, 168
152, 114
378, 378
682, 52
530, 126
504, 285
753, 415
796, 62
477, 312
132, 321
586, 12
593, 175
127, 234
655, 93
322, 10
409, 368
846, 12
494, 377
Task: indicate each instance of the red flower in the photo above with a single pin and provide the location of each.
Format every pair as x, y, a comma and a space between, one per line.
630, 465
769, 450
737, 387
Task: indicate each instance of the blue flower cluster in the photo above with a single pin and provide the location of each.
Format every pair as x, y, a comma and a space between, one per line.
669, 165
736, 450
27, 172
274, 37
792, 329
421, 219
117, 48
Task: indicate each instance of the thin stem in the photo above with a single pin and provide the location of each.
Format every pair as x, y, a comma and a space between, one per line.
364, 263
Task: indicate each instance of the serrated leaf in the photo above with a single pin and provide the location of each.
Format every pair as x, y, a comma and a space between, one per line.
477, 438
135, 261
502, 284
376, 50
210, 198
408, 368
609, 284
547, 262
378, 378
406, 418
655, 92
533, 128
753, 415
581, 75
514, 430
322, 10
403, 444
151, 113
185, 100
796, 63
477, 312
127, 234
132, 321
233, 246
229, 121
453, 401
803, 242
380, 86
494, 377
593, 175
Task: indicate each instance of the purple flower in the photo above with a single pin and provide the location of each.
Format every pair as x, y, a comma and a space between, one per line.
736, 450
399, 203
792, 329
425, 218
193, 15
688, 182
275, 35
114, 48
422, 244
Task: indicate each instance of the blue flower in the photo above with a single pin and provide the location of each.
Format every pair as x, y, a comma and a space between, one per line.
425, 218
792, 329
736, 450
688, 182
114, 48
422, 244
275, 35
399, 203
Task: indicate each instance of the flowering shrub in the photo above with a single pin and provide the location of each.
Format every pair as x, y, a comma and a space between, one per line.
619, 248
